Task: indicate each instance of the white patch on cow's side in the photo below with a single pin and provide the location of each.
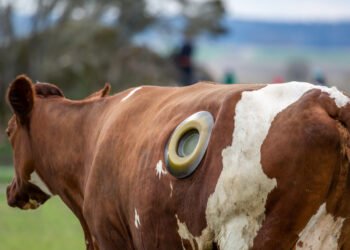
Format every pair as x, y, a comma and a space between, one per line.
322, 232
202, 242
137, 219
339, 98
131, 93
236, 209
185, 233
159, 169
36, 180
171, 190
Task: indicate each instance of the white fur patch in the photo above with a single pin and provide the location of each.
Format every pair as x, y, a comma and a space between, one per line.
36, 180
137, 219
236, 209
160, 170
185, 233
322, 232
131, 93
203, 241
171, 189
339, 98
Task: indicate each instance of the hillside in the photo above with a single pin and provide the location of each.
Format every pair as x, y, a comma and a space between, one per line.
292, 34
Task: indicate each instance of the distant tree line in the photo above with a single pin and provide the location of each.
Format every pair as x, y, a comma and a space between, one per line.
75, 44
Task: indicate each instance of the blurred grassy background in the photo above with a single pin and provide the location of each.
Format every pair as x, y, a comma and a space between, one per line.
52, 226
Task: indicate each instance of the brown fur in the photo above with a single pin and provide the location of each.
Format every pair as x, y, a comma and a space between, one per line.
99, 155
309, 168
47, 90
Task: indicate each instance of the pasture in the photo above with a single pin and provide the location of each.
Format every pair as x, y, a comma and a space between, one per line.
50, 227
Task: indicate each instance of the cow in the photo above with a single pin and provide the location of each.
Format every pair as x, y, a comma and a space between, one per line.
272, 172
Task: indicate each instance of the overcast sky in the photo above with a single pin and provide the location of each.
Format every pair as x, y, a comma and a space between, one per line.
275, 10
286, 10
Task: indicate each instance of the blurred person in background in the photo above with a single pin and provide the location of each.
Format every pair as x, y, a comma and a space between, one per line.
184, 62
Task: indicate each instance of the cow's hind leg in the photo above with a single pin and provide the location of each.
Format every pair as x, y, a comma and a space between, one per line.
302, 152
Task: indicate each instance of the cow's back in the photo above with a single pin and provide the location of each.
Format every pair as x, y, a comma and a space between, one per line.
134, 202
132, 144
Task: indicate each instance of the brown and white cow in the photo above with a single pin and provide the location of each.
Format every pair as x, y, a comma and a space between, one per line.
275, 174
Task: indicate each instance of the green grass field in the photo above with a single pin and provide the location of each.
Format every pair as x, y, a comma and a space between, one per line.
50, 227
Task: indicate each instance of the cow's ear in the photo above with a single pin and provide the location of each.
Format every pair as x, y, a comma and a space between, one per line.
106, 90
20, 96
101, 93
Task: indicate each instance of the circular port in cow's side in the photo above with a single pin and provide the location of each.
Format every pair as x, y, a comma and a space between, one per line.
188, 144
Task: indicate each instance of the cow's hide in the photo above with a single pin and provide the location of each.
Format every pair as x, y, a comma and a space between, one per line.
274, 176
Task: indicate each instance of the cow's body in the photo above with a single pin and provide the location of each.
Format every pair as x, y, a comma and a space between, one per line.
275, 175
